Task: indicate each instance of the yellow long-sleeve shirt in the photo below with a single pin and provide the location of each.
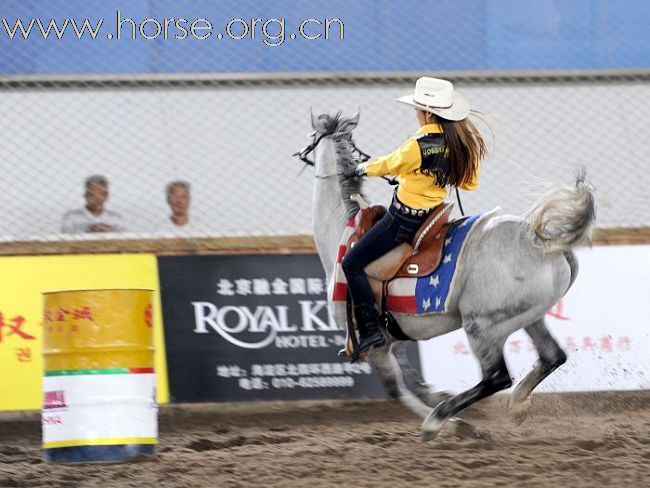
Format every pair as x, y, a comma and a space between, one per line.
416, 189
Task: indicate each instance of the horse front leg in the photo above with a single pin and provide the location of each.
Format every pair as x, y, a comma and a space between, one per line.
384, 361
488, 349
390, 361
551, 357
413, 377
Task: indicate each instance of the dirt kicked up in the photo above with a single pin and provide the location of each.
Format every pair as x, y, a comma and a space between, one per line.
585, 440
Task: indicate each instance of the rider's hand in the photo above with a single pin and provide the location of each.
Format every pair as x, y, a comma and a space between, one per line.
354, 171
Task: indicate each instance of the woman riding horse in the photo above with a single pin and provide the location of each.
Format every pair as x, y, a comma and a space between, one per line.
446, 151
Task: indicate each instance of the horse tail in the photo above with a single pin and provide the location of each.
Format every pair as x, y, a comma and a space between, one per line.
563, 218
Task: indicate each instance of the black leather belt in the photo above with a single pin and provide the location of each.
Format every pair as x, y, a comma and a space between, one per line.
406, 210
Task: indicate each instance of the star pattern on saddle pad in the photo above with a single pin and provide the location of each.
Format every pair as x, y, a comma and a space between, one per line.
432, 291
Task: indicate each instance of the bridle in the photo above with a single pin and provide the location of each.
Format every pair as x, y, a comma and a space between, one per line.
357, 154
309, 148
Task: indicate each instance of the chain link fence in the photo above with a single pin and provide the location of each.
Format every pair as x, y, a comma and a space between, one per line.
228, 124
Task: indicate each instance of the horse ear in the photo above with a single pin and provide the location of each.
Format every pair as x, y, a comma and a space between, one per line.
354, 120
313, 119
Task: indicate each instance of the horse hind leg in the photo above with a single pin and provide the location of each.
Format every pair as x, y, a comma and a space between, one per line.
488, 349
551, 357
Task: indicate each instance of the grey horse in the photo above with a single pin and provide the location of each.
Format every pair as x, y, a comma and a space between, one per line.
530, 258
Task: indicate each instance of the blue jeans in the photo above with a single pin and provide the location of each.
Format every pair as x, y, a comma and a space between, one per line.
392, 230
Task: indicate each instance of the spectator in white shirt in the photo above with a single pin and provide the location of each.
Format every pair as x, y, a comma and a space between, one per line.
93, 217
178, 199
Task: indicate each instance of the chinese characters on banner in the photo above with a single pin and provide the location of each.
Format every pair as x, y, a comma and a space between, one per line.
605, 344
302, 375
277, 286
14, 334
255, 328
569, 343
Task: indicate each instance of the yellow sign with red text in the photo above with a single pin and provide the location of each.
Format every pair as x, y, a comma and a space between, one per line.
22, 314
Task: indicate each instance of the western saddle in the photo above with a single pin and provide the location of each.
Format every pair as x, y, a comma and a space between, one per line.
419, 258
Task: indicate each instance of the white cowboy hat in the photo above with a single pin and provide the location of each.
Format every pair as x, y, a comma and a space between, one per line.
438, 97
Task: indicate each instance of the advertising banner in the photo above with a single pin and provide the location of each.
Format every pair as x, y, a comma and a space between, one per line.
603, 324
22, 314
255, 328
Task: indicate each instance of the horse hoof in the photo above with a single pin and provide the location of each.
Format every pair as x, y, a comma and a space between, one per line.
431, 427
519, 411
428, 436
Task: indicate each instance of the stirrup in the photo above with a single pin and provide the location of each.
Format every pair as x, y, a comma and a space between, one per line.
374, 340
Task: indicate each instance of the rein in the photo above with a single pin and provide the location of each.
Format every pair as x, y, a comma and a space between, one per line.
308, 149
460, 205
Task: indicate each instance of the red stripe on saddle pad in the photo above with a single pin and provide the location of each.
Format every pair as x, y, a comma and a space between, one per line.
340, 292
341, 254
402, 304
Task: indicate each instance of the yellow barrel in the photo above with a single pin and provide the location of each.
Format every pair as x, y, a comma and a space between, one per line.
99, 381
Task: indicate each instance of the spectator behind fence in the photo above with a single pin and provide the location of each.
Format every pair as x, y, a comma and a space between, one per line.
178, 199
93, 217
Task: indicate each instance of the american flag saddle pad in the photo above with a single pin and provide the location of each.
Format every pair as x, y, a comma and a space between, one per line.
424, 295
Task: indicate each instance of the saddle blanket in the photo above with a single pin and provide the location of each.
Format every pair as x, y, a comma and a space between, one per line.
339, 290
430, 294
425, 295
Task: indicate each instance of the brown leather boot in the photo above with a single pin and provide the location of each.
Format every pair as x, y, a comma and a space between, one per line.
370, 331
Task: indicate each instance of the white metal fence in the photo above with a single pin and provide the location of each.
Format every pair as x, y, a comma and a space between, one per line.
232, 139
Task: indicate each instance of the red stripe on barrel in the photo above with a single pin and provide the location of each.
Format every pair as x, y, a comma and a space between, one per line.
141, 370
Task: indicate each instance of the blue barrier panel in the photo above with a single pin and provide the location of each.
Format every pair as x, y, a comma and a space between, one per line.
378, 36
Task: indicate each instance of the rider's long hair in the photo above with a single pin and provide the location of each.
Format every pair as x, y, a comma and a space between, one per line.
465, 149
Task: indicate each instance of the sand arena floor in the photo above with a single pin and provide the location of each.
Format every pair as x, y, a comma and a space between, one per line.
575, 441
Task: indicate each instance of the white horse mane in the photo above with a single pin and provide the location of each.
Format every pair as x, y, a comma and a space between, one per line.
340, 127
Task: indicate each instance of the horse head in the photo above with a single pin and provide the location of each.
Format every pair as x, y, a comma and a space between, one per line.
331, 128
334, 151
